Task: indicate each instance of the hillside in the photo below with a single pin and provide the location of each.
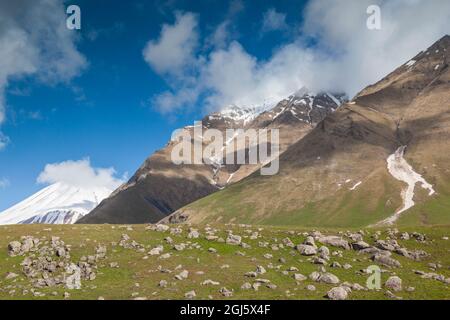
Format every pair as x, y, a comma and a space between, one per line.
338, 175
159, 187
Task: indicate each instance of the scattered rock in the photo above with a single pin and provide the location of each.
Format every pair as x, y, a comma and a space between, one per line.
190, 295
246, 286
210, 282
163, 283
299, 277
337, 293
225, 292
182, 275
306, 250
233, 239
386, 260
161, 227
394, 283
335, 242
360, 245
11, 275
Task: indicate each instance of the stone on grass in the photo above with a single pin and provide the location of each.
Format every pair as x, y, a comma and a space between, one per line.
233, 239
337, 293
299, 277
306, 250
210, 282
182, 275
394, 283
190, 295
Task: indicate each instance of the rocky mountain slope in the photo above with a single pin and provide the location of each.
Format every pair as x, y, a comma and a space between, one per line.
382, 158
160, 187
58, 203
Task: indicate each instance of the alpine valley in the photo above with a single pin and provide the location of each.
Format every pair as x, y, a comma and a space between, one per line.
360, 209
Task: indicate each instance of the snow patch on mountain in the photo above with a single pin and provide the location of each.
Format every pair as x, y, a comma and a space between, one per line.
248, 113
355, 186
400, 169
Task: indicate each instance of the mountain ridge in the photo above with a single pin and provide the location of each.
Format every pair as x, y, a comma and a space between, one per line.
409, 107
159, 187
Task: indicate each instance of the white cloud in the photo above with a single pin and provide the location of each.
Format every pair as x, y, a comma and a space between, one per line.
364, 56
346, 55
173, 51
221, 36
4, 183
34, 41
79, 173
273, 21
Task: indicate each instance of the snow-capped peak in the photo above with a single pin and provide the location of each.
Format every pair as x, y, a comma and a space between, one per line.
247, 113
58, 203
300, 93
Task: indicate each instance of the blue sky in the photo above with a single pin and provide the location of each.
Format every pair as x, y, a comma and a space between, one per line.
105, 113
107, 109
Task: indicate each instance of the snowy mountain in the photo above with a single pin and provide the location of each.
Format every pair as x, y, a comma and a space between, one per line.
159, 187
381, 159
245, 114
58, 203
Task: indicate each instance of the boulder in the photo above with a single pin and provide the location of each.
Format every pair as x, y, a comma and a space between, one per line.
233, 239
337, 293
306, 250
335, 241
394, 283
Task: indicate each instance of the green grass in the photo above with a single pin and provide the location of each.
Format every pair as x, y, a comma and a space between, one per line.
120, 283
435, 210
243, 203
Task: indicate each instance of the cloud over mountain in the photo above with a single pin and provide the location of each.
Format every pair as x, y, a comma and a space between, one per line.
334, 51
79, 173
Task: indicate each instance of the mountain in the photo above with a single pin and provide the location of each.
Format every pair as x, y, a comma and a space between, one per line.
381, 159
58, 203
159, 187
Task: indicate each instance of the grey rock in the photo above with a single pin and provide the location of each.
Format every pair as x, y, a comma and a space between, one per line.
335, 241
14, 248
360, 245
337, 293
234, 239
386, 260
328, 278
190, 294
394, 283
306, 250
